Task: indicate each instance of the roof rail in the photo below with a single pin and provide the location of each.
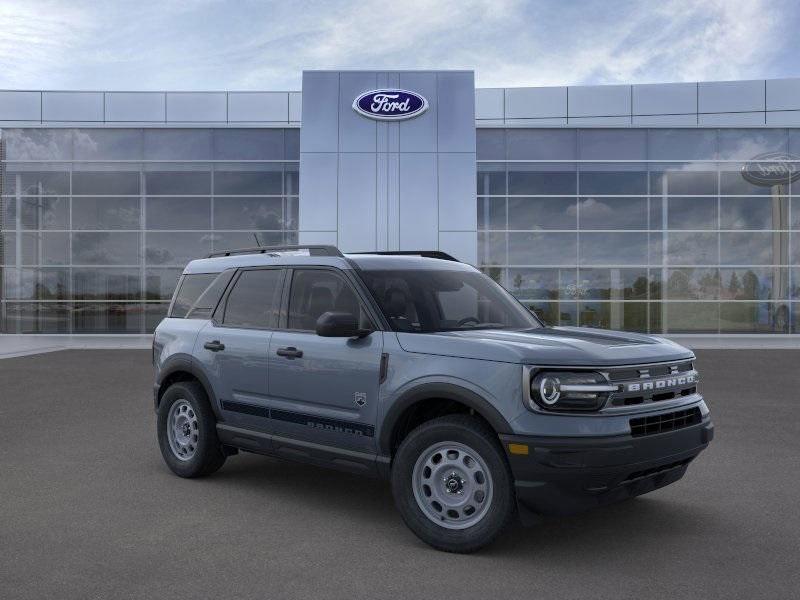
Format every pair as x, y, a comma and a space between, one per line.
313, 250
424, 253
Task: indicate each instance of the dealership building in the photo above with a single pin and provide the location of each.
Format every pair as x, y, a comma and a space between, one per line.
662, 208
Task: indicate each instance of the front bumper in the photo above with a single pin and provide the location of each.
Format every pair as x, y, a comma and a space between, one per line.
562, 475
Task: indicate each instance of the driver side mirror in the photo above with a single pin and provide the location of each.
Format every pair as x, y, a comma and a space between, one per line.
340, 324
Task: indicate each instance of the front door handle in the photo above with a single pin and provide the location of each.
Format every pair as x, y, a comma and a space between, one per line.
290, 352
215, 346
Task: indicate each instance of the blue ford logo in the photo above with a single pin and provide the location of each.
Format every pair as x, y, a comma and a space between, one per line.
390, 105
772, 168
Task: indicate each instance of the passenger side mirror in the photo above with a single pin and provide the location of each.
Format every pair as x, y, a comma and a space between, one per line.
340, 324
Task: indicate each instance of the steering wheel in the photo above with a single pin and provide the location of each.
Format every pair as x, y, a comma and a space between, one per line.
466, 320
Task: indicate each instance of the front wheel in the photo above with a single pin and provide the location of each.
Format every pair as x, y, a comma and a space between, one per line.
187, 433
452, 484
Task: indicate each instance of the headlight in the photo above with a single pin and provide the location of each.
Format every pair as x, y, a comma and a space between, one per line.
570, 390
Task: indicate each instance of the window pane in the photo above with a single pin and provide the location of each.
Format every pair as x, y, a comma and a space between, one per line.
542, 284
44, 183
692, 248
101, 317
541, 144
51, 248
32, 317
254, 300
98, 183
524, 180
248, 144
612, 284
105, 248
491, 213
490, 144
746, 144
45, 212
691, 317
630, 316
612, 182
192, 286
177, 144
491, 179
248, 183
756, 248
178, 183
153, 315
173, 212
693, 284
682, 144
754, 213
315, 292
683, 183
8, 248
176, 248
160, 283
542, 248
105, 213
612, 213
108, 144
754, 283
106, 284
248, 239
492, 248
248, 213
36, 284
612, 144
732, 181
291, 141
686, 213
754, 317
613, 249
542, 213
38, 144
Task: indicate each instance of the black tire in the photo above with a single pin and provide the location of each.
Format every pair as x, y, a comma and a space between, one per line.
208, 455
475, 434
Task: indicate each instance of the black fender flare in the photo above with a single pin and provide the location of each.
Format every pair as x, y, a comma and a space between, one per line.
184, 363
445, 391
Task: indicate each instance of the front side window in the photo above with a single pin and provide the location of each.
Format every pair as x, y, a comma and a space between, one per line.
254, 300
315, 292
427, 301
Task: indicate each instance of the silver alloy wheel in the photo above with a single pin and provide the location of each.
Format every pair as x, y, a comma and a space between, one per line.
452, 485
183, 430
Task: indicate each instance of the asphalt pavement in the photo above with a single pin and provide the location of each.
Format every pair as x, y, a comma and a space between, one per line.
88, 509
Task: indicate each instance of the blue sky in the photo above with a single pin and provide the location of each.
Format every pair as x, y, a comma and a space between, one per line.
250, 45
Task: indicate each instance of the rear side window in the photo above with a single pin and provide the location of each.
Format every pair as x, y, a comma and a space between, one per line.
191, 287
254, 300
204, 306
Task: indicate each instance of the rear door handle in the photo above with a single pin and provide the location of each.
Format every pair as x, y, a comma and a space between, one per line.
290, 352
215, 346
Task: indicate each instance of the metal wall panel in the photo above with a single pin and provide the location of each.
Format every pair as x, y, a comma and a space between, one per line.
599, 121
258, 106
731, 119
455, 126
536, 103
730, 96
457, 192
419, 213
356, 205
599, 101
295, 106
356, 134
72, 106
665, 98
665, 120
140, 107
318, 182
20, 106
419, 134
461, 244
320, 130
783, 94
490, 103
197, 107
784, 118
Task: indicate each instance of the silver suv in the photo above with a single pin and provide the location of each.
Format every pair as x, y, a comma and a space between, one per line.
420, 369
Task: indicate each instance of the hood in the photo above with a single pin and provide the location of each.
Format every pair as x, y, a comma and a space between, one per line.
561, 346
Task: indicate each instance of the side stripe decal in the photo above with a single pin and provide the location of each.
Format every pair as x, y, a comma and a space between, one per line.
314, 421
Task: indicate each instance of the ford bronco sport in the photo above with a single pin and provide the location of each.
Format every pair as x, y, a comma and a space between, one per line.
421, 369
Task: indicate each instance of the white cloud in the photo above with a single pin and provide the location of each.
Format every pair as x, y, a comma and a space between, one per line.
213, 44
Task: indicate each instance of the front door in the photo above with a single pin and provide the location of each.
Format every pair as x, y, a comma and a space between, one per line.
233, 349
322, 389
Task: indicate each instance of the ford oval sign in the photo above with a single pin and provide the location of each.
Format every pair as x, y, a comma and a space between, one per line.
390, 105
772, 168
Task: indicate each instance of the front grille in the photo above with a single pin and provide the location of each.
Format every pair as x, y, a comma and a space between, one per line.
665, 422
650, 380
632, 373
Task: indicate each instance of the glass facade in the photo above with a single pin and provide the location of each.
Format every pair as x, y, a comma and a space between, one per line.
97, 224
651, 230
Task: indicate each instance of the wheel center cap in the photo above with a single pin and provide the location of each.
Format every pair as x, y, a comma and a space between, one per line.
186, 429
453, 484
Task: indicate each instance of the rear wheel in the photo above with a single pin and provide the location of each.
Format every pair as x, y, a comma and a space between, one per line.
187, 433
452, 484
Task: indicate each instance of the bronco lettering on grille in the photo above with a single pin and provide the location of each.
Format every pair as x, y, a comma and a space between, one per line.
660, 384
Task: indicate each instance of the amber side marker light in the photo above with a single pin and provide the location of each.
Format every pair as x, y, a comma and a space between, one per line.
518, 449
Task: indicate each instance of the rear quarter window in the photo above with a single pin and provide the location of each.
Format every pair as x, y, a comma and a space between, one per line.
198, 294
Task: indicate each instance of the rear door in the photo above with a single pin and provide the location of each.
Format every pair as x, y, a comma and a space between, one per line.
322, 389
233, 346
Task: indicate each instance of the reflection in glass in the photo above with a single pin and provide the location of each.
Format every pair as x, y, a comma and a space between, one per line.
629, 183
613, 249
95, 183
754, 248
262, 182
178, 183
176, 248
97, 212
754, 317
35, 317
491, 179
612, 213
693, 284
493, 248
99, 283
248, 213
755, 283
248, 144
542, 284
542, 213
46, 248
174, 212
101, 317
692, 248
691, 317
542, 248
541, 144
231, 240
613, 284
686, 213
103, 248
44, 212
628, 316
757, 212
522, 182
492, 213
160, 283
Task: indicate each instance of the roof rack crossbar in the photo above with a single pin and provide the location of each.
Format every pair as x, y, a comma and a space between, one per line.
424, 253
313, 250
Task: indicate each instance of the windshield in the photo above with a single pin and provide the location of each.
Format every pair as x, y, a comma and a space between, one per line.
426, 301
